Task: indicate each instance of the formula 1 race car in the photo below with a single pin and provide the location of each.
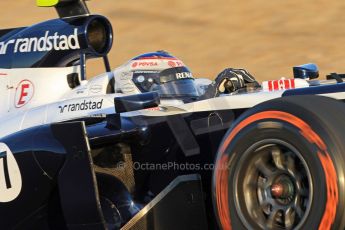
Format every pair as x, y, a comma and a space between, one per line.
147, 146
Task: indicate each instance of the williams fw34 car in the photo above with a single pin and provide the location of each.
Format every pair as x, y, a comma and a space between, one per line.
148, 146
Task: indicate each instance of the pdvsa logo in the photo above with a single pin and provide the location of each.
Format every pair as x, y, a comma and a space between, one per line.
135, 64
175, 63
144, 64
10, 176
149, 63
24, 93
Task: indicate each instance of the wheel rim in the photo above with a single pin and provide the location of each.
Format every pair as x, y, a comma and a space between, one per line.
276, 190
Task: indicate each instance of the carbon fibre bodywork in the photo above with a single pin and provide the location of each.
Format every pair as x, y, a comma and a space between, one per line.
57, 164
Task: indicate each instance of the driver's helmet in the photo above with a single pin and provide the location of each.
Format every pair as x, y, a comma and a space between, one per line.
158, 71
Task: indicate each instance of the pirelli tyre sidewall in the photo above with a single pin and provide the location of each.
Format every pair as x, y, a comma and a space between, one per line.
313, 128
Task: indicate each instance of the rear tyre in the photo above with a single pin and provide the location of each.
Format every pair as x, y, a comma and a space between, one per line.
281, 166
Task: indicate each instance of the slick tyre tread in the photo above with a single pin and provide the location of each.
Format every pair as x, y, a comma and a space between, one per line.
312, 125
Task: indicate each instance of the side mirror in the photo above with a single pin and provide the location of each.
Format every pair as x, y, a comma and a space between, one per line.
136, 102
310, 71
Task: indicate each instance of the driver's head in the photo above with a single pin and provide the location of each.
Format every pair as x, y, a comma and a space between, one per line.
157, 71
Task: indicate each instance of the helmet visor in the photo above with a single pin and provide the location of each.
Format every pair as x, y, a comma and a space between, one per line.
177, 82
178, 88
173, 82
